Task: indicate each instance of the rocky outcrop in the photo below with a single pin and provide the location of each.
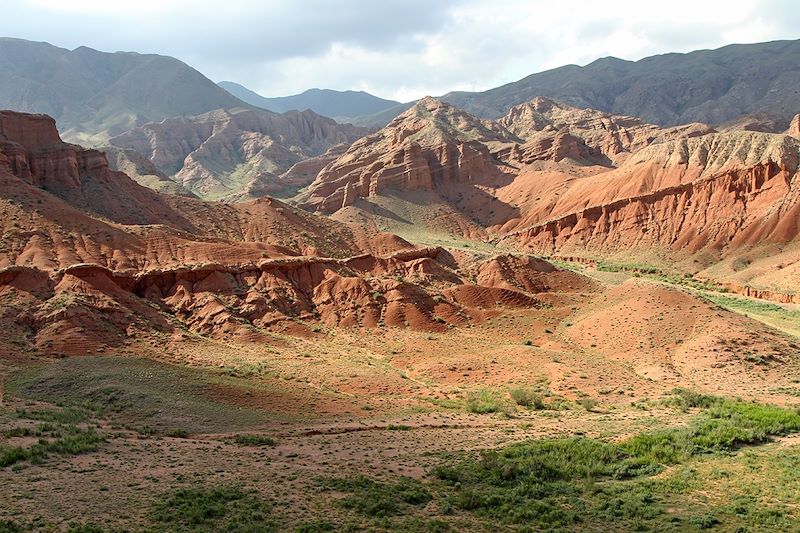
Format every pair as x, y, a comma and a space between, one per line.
64, 205
612, 136
430, 147
142, 171
226, 153
755, 122
794, 127
719, 191
529, 274
557, 146
33, 152
762, 294
420, 289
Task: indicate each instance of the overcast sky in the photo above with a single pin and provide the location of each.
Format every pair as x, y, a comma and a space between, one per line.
395, 49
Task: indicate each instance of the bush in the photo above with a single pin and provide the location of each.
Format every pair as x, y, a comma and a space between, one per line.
527, 398
587, 403
372, 498
216, 509
254, 440
484, 402
75, 443
686, 399
549, 482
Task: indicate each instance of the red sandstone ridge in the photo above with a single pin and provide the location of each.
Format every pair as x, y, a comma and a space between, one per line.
228, 154
465, 162
62, 205
612, 136
722, 192
431, 147
421, 289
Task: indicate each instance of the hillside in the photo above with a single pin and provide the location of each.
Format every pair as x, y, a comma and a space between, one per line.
554, 179
95, 95
233, 154
342, 106
709, 86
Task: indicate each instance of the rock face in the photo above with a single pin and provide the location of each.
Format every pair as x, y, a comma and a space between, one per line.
418, 289
722, 190
63, 205
33, 152
794, 127
604, 138
226, 154
431, 147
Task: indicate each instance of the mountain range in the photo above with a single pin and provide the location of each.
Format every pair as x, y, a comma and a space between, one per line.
95, 95
711, 86
342, 106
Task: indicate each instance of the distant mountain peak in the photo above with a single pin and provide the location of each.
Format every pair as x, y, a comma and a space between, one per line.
342, 106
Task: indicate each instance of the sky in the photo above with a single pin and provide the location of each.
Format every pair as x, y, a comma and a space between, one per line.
401, 50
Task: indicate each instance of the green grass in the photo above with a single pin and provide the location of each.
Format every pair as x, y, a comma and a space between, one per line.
486, 401
67, 415
8, 526
254, 440
78, 442
139, 393
372, 498
686, 399
564, 482
229, 509
58, 434
605, 266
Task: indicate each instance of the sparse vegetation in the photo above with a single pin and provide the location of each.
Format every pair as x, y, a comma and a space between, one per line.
551, 482
254, 440
226, 508
528, 397
375, 499
485, 401
75, 442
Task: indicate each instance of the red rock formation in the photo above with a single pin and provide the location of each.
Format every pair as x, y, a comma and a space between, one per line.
410, 289
718, 191
63, 205
557, 146
430, 147
614, 136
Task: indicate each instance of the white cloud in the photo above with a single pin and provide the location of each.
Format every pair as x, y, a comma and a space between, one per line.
400, 49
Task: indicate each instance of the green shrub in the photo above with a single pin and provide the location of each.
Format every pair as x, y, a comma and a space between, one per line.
527, 397
686, 399
317, 526
587, 403
484, 402
215, 509
68, 415
254, 440
75, 443
7, 526
372, 498
549, 482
